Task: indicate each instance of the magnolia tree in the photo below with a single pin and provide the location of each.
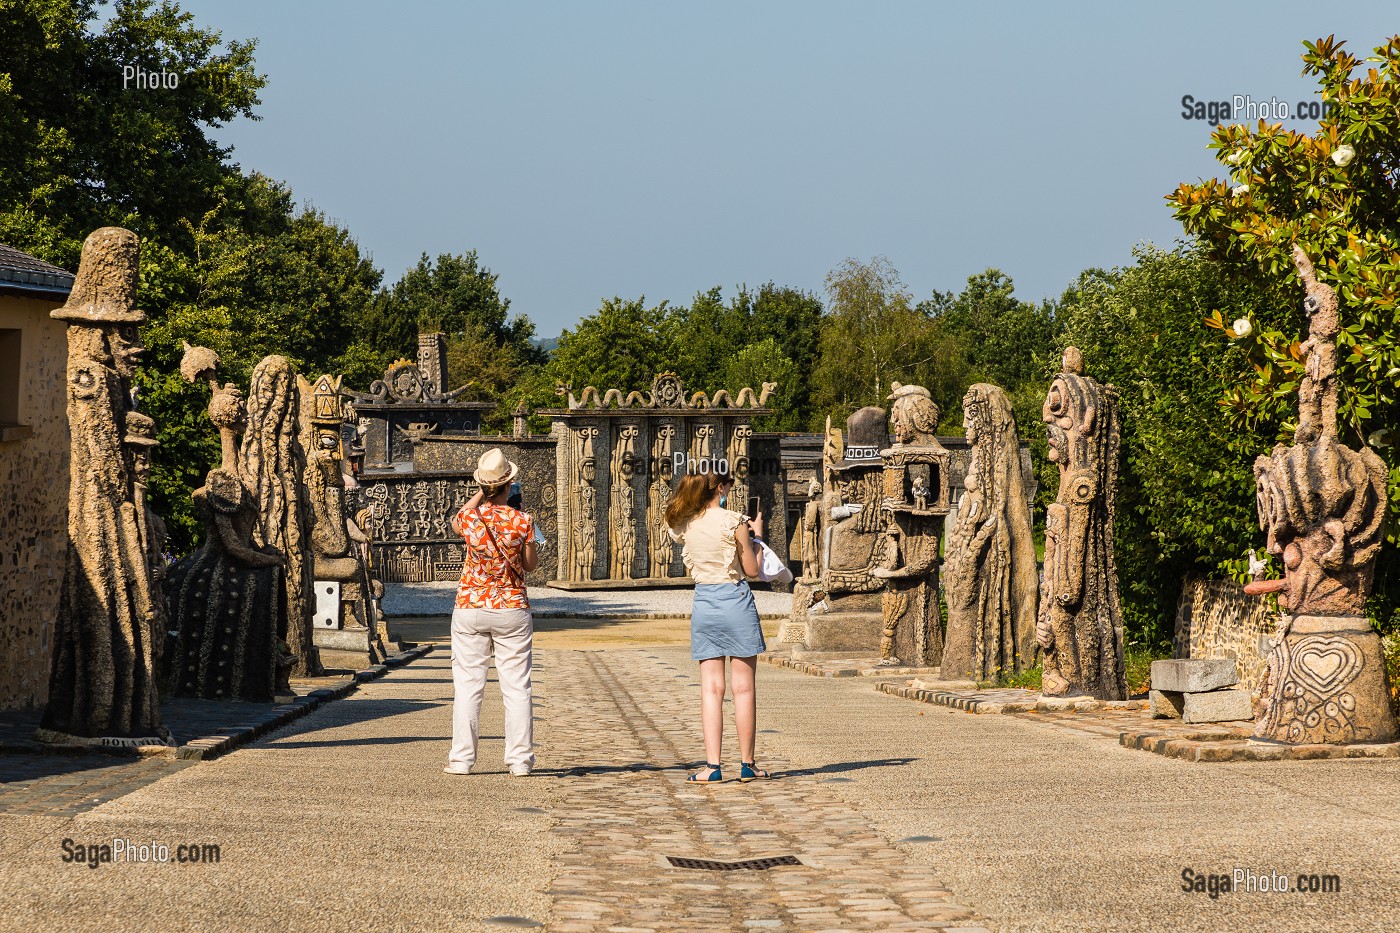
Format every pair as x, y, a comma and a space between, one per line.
1335, 195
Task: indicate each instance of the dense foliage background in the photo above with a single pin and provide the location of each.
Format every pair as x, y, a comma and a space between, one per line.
230, 261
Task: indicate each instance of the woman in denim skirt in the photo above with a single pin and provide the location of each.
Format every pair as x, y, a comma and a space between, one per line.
720, 548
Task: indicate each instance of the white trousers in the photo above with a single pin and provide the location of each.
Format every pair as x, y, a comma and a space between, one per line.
475, 632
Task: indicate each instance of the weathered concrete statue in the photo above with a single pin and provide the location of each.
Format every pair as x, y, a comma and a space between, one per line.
1321, 506
272, 463
991, 578
622, 528
227, 600
908, 563
103, 679
1080, 626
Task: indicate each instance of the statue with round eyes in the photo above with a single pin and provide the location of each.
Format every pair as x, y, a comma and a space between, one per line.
1079, 625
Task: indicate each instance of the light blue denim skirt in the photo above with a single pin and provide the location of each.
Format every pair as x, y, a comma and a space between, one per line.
724, 622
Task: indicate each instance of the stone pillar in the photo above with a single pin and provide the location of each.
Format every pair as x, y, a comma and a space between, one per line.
661, 549
737, 453
432, 363
583, 505
622, 502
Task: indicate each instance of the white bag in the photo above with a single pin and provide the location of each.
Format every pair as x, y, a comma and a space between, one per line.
771, 567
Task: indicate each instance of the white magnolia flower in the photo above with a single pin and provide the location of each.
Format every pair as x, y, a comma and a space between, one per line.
1343, 155
1242, 327
1235, 157
1239, 190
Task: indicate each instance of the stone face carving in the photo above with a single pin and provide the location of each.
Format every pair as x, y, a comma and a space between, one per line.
810, 532
1321, 506
272, 465
622, 529
1080, 626
103, 679
991, 577
227, 600
661, 548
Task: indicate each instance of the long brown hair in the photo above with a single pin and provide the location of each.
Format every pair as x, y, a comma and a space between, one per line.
692, 497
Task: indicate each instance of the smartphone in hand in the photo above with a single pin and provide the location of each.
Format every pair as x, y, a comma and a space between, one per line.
751, 508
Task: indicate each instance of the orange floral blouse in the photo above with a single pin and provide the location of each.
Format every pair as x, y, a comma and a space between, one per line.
486, 581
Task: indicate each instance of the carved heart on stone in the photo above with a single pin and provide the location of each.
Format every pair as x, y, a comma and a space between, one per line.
1324, 663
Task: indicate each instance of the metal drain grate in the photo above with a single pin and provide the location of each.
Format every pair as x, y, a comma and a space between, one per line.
751, 864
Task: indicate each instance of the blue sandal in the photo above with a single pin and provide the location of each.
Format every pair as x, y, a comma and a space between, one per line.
714, 778
747, 772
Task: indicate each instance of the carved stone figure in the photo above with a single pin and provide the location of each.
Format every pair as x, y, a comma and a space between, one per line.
622, 529
103, 678
737, 455
1321, 506
991, 578
583, 504
228, 599
811, 533
660, 545
1080, 626
272, 465
911, 630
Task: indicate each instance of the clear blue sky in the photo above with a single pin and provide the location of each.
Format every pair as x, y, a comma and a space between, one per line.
591, 150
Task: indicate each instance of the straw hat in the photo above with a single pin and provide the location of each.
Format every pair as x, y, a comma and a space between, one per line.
104, 290
493, 469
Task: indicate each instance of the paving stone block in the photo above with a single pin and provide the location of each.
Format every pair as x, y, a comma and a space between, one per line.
1217, 706
1194, 675
1164, 704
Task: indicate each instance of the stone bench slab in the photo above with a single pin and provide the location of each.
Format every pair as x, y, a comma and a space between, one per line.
1194, 675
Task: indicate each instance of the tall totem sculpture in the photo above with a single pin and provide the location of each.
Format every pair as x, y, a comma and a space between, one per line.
1321, 506
272, 464
227, 600
916, 490
102, 683
990, 578
1080, 626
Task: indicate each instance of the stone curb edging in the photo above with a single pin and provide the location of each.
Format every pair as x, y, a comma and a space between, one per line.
972, 703
1233, 748
212, 746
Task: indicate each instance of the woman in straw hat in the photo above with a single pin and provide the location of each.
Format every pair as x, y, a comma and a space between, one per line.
493, 612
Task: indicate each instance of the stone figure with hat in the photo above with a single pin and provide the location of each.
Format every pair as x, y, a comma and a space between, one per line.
103, 681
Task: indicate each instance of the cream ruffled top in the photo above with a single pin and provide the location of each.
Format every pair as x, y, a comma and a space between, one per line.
708, 546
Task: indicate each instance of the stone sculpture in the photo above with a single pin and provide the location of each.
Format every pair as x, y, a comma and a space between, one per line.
583, 519
737, 457
852, 526
1079, 625
622, 531
666, 392
810, 533
272, 465
912, 467
103, 682
228, 599
661, 547
991, 577
1321, 506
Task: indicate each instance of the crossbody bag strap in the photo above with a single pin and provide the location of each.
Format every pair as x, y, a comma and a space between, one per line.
510, 564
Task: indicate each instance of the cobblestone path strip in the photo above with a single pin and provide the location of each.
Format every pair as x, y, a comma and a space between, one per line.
52, 785
626, 806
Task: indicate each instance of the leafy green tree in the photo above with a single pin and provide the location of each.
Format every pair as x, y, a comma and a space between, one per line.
81, 151
762, 362
792, 319
622, 345
871, 336
1334, 195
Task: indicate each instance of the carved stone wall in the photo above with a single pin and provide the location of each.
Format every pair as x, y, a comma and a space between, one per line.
1216, 619
34, 507
411, 509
